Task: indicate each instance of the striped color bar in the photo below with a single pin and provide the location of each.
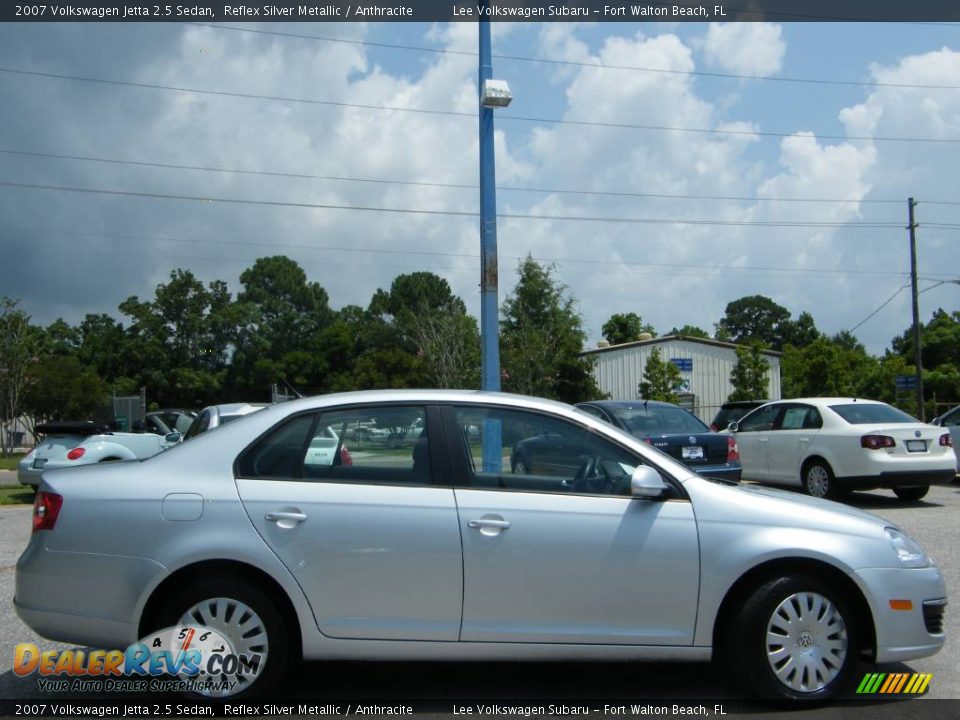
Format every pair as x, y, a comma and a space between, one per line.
894, 683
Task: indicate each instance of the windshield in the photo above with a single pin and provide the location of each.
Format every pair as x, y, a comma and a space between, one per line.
868, 414
643, 422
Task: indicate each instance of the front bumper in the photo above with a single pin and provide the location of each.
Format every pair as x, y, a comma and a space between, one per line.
904, 634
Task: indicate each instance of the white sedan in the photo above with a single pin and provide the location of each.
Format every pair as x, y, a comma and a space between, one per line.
832, 445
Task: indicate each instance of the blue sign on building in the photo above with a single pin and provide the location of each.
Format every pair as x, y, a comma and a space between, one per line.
683, 364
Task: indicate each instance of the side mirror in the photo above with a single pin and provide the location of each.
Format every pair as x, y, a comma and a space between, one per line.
733, 427
173, 438
647, 483
937, 421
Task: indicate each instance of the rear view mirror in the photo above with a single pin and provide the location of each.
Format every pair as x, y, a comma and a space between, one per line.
647, 483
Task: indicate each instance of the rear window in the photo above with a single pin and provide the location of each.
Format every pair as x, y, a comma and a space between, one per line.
659, 421
868, 413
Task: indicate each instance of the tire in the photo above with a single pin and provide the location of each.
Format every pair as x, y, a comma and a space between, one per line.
520, 466
819, 482
794, 638
245, 609
911, 494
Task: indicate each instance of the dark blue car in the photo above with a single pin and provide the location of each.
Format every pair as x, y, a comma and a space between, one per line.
673, 430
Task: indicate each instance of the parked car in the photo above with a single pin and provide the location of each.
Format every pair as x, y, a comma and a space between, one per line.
217, 415
164, 422
829, 446
679, 433
951, 421
434, 550
732, 411
69, 444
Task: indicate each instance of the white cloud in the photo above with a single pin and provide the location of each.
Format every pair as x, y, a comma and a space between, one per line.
745, 48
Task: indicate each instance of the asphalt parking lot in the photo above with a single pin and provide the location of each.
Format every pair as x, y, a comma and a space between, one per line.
933, 521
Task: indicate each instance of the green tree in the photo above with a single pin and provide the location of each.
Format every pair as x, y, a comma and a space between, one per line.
661, 379
625, 327
432, 323
691, 331
541, 338
826, 367
755, 317
19, 343
180, 339
60, 387
800, 332
749, 374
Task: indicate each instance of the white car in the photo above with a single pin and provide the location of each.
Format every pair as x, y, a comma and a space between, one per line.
951, 421
69, 444
832, 445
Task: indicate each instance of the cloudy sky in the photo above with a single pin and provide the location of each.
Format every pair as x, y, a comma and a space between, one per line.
707, 171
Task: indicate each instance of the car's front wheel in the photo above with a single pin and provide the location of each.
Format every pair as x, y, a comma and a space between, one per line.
911, 494
248, 619
795, 639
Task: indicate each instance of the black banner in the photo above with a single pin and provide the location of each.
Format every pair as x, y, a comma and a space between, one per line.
181, 707
495, 10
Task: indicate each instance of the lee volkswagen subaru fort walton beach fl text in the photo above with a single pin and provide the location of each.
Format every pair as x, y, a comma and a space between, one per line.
434, 542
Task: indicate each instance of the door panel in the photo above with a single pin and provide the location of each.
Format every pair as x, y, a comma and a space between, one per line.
578, 569
370, 534
568, 556
375, 562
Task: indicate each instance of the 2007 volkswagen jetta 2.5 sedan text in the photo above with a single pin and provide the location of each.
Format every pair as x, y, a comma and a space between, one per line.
430, 547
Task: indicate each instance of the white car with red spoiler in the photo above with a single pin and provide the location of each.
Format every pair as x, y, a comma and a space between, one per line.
830, 446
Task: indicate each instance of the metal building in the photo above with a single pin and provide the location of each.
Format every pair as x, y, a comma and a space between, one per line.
705, 365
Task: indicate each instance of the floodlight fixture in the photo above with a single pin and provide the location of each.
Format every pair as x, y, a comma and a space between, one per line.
495, 94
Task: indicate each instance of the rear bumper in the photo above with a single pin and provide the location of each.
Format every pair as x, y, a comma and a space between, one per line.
897, 479
724, 472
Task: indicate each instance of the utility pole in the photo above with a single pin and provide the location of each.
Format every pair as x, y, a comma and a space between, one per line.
917, 359
489, 305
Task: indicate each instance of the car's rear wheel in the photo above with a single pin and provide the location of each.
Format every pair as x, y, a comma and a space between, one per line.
520, 466
819, 482
911, 494
795, 638
248, 618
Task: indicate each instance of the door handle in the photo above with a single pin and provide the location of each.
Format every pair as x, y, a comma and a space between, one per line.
485, 523
290, 517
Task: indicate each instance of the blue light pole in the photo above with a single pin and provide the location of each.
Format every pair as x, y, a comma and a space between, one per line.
492, 93
489, 306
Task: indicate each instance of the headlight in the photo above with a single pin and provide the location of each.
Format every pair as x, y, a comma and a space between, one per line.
908, 550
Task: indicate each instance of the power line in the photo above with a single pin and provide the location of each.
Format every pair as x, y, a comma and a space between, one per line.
472, 256
882, 306
576, 63
458, 186
472, 116
459, 213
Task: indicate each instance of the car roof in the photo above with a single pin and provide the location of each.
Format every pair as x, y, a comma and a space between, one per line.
629, 404
825, 401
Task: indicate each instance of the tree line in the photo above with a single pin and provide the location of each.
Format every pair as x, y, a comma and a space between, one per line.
193, 344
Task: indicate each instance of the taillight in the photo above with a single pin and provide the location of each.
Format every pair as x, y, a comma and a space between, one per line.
733, 452
713, 427
345, 458
46, 507
877, 442
76, 453
946, 440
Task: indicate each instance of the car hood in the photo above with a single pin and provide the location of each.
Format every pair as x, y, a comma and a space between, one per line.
760, 505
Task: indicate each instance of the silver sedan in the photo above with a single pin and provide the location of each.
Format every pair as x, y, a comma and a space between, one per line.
431, 548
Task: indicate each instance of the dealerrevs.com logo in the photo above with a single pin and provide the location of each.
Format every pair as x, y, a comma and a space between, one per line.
184, 658
894, 683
